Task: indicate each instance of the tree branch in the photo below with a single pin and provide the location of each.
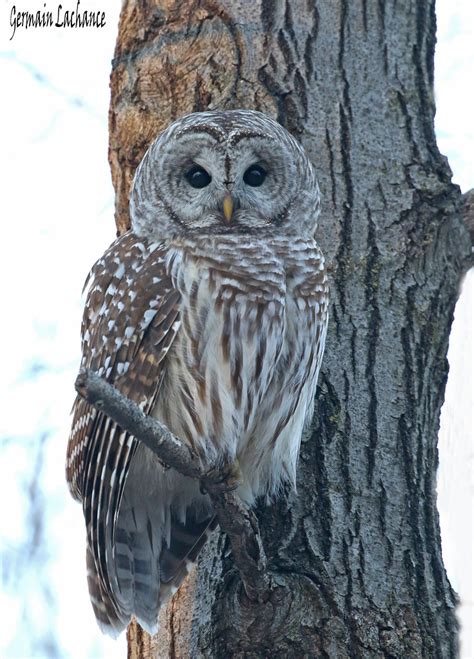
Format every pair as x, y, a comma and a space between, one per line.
234, 518
104, 397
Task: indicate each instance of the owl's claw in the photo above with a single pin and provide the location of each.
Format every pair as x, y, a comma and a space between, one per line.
225, 479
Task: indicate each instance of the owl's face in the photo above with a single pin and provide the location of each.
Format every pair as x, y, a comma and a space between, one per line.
224, 172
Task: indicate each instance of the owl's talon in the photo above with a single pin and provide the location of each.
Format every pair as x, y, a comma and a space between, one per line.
226, 478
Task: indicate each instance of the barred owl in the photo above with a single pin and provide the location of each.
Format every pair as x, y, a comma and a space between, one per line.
211, 314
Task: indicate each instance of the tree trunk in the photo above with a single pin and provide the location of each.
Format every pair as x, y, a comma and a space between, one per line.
355, 554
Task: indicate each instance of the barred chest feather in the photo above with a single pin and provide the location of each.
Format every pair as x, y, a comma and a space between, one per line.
241, 374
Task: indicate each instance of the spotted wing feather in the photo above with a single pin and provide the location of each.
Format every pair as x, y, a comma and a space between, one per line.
130, 320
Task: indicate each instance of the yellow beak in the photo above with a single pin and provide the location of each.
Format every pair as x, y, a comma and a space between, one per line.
228, 207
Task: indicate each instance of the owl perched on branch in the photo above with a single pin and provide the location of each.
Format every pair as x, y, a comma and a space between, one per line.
210, 314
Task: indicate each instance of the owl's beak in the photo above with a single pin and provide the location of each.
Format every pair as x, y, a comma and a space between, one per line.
228, 207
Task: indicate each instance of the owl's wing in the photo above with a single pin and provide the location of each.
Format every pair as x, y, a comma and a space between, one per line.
130, 320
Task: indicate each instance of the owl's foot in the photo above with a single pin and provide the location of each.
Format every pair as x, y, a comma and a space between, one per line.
224, 479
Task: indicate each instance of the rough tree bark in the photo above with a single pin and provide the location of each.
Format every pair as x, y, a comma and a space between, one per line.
355, 554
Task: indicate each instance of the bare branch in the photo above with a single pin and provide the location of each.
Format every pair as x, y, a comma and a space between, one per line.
241, 526
104, 397
234, 518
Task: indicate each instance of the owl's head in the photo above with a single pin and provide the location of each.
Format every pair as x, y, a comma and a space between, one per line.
221, 173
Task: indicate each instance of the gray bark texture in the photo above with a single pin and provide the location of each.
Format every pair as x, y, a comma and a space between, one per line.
355, 555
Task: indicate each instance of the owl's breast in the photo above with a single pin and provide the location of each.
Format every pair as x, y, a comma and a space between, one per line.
231, 337
241, 373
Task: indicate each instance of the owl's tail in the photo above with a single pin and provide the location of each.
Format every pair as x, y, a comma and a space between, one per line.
109, 618
151, 559
186, 541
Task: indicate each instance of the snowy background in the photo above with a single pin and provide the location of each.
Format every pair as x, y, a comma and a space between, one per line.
56, 194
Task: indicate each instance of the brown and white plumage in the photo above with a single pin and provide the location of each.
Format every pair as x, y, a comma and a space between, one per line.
213, 319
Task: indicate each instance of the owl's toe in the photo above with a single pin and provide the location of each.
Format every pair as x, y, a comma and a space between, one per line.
225, 478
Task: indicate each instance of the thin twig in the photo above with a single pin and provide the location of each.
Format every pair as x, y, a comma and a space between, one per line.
234, 518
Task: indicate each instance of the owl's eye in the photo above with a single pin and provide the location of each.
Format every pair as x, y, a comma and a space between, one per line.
255, 176
197, 177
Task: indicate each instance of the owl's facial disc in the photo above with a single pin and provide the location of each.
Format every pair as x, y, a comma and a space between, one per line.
225, 172
223, 186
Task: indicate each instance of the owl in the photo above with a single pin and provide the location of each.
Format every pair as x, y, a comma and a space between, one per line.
210, 314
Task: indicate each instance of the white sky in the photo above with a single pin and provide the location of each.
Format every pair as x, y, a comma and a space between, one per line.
57, 202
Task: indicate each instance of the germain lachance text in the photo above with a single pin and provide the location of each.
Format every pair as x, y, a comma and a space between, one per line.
60, 17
